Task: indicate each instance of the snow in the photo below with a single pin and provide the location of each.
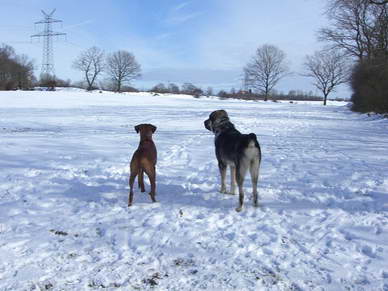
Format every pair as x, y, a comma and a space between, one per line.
65, 224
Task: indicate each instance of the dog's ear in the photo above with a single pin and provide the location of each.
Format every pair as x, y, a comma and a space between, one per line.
153, 128
223, 113
137, 128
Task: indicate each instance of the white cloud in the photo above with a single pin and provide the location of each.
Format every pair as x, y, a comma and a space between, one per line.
181, 14
77, 25
182, 18
181, 6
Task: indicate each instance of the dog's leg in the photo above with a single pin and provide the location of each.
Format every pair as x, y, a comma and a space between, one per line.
140, 179
232, 180
222, 168
131, 181
134, 169
241, 171
151, 173
254, 170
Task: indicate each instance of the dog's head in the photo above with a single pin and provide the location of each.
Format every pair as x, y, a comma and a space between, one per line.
216, 120
145, 130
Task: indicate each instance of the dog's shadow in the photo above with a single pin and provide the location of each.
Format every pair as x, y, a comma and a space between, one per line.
174, 195
178, 195
113, 191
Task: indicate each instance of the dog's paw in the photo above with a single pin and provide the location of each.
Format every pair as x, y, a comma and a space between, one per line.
152, 197
238, 209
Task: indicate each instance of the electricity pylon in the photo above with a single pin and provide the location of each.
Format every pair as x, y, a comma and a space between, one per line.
47, 69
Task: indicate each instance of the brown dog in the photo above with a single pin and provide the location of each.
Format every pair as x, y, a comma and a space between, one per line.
144, 160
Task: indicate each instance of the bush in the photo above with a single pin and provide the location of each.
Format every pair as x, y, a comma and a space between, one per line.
159, 88
190, 89
129, 89
47, 81
369, 82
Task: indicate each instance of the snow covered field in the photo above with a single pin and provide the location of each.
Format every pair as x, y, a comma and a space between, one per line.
65, 224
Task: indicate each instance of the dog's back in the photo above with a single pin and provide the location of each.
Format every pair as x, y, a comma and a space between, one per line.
143, 161
233, 146
146, 154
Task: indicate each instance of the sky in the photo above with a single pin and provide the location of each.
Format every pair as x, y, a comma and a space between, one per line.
205, 42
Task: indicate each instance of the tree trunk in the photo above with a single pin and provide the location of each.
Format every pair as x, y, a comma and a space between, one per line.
266, 94
88, 81
92, 82
325, 99
266, 91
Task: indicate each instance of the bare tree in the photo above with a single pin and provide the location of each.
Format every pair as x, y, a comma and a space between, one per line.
122, 67
328, 69
266, 68
91, 64
358, 27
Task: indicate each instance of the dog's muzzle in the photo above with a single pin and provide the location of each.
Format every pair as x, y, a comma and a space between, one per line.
207, 124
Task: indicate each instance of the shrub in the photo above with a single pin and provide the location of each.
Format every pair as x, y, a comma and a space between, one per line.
369, 82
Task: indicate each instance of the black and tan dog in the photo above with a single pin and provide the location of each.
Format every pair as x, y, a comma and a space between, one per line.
241, 152
144, 160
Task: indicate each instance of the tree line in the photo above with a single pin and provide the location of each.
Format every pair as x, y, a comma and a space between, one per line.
191, 89
16, 71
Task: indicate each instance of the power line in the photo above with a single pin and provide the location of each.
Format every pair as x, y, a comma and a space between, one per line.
48, 49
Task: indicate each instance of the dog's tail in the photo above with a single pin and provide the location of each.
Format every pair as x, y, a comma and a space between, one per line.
253, 143
252, 140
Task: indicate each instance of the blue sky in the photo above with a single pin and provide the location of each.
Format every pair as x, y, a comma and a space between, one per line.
206, 42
